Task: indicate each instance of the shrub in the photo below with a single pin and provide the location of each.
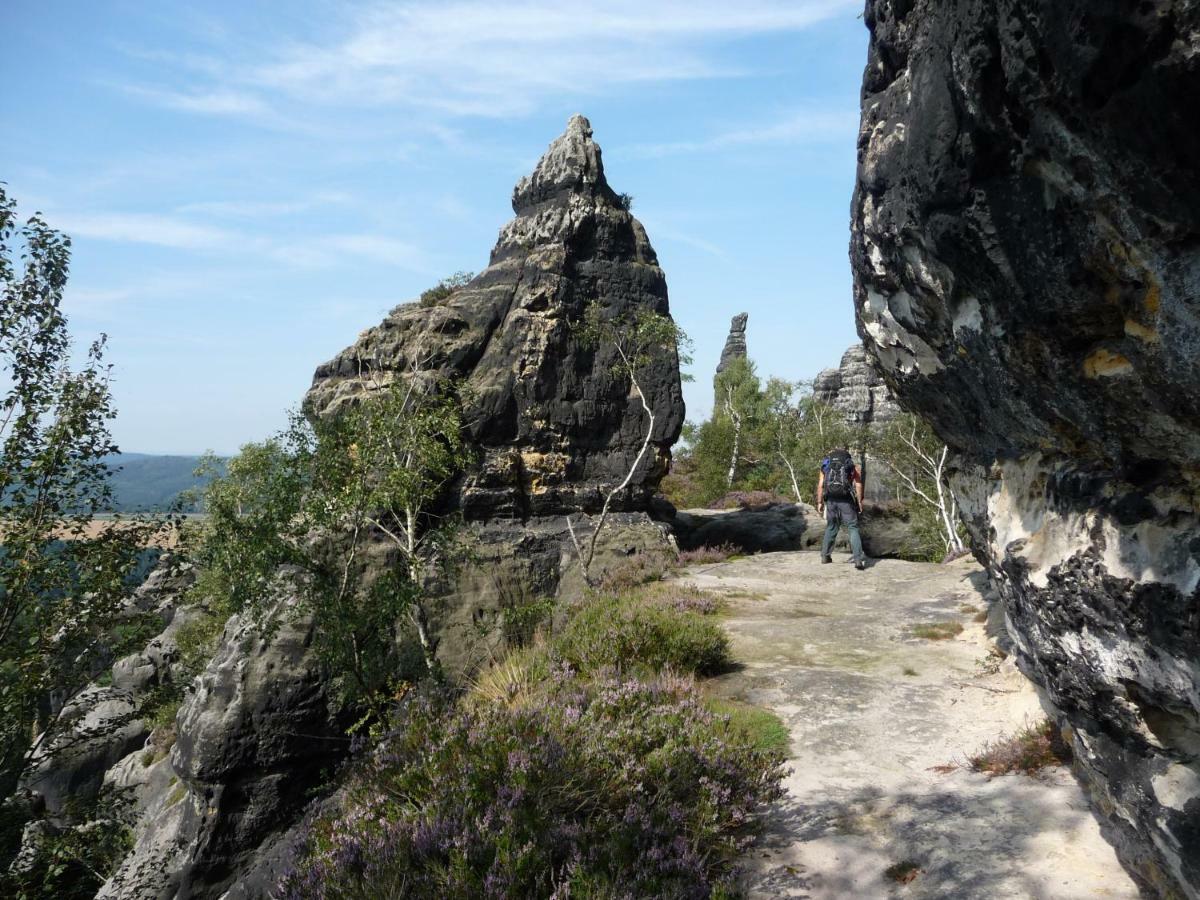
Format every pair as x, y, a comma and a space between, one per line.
444, 288
630, 633
637, 570
702, 555
1029, 751
618, 788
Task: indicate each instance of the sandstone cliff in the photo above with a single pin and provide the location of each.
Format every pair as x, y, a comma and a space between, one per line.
553, 423
856, 390
554, 427
1026, 250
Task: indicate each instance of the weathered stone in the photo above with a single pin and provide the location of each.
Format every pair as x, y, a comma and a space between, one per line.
735, 343
100, 727
252, 739
790, 526
1026, 250
554, 423
856, 390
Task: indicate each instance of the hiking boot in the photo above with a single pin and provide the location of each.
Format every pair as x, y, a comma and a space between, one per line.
860, 564
826, 559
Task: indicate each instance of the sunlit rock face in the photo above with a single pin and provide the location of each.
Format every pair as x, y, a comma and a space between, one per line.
555, 425
1026, 251
856, 390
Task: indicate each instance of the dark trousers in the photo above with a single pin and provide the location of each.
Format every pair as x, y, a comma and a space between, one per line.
837, 514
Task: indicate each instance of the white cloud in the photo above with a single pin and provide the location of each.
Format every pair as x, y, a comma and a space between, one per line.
804, 127
143, 228
254, 209
484, 58
303, 252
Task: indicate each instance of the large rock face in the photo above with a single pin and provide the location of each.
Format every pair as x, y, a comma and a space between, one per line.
1026, 249
554, 424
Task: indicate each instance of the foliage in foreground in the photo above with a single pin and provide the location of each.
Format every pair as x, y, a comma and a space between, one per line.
611, 788
580, 765
64, 578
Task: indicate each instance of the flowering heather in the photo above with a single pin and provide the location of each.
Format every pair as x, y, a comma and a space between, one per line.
610, 788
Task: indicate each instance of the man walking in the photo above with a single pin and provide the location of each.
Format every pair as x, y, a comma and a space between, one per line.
839, 497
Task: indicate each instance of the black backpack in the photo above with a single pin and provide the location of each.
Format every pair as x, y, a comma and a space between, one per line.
837, 476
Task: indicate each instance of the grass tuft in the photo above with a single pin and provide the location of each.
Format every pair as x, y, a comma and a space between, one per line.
1034, 748
937, 631
752, 725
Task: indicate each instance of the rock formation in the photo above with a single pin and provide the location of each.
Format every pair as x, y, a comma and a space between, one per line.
553, 423
555, 427
856, 390
1026, 250
735, 343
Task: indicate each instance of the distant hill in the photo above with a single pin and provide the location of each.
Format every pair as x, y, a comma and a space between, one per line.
145, 482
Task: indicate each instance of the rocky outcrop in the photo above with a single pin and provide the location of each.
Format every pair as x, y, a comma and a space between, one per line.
553, 420
253, 739
555, 427
791, 526
555, 424
1026, 250
735, 343
856, 390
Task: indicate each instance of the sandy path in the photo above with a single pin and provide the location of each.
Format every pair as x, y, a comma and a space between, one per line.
871, 709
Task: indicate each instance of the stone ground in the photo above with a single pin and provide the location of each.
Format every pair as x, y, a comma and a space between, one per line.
872, 711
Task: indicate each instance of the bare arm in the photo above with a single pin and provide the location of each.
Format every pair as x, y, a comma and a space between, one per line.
821, 491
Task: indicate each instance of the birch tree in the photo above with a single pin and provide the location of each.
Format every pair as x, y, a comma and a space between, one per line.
637, 340
918, 459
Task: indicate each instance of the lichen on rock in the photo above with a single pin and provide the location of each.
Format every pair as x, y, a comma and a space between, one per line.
1026, 251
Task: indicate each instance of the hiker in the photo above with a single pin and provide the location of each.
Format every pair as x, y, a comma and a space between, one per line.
840, 497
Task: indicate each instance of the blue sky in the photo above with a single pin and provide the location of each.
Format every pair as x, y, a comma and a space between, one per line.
247, 188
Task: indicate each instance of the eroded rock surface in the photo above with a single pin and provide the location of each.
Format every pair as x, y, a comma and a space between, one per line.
1026, 249
856, 390
554, 424
881, 722
735, 342
253, 738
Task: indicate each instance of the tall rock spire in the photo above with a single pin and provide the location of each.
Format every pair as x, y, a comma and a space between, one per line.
553, 424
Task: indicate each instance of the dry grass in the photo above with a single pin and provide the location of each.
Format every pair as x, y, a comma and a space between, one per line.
1034, 748
937, 631
705, 555
902, 872
981, 616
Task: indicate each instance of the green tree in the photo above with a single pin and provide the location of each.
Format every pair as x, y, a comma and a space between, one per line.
740, 403
638, 339
305, 514
65, 576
